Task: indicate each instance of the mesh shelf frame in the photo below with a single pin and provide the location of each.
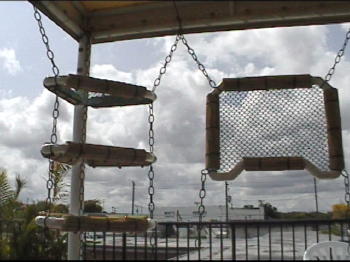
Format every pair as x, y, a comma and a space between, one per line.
273, 123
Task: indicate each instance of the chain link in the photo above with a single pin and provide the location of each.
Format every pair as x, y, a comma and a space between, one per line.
83, 137
55, 113
347, 190
202, 194
190, 50
345, 175
201, 67
337, 59
50, 184
82, 165
82, 141
167, 60
156, 83
201, 207
151, 205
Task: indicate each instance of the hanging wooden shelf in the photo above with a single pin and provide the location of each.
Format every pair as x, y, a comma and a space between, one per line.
273, 123
70, 223
107, 93
97, 155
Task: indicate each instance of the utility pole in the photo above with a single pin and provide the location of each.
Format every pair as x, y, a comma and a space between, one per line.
316, 200
226, 199
133, 197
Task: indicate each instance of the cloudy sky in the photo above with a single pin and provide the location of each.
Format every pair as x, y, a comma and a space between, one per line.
25, 109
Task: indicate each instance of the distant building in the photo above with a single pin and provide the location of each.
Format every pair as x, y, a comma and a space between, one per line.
212, 213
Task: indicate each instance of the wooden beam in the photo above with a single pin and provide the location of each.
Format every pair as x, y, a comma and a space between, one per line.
65, 15
159, 18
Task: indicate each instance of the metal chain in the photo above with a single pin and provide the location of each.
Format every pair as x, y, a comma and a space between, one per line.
345, 174
201, 207
201, 67
151, 205
156, 83
82, 141
212, 84
82, 163
338, 57
204, 172
55, 112
202, 194
167, 60
190, 50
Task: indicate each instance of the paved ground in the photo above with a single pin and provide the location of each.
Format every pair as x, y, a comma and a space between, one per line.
281, 248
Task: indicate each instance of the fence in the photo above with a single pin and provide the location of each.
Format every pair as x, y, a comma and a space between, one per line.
237, 240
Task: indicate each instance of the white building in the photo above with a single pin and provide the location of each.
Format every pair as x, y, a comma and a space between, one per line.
213, 213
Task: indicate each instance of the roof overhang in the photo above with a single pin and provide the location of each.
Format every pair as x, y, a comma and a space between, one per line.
107, 21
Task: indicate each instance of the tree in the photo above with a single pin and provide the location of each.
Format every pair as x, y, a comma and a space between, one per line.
270, 210
92, 206
8, 196
60, 208
340, 211
28, 241
22, 238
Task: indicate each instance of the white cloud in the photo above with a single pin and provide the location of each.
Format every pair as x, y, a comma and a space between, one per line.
179, 122
345, 26
108, 71
9, 61
6, 93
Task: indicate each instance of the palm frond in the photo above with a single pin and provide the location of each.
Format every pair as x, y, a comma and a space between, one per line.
59, 174
6, 193
20, 184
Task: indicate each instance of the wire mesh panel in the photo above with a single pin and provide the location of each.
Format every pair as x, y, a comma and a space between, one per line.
274, 123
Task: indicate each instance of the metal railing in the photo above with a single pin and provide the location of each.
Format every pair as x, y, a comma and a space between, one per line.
236, 240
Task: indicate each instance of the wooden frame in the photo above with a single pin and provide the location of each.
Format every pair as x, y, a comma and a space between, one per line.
115, 93
107, 21
70, 223
97, 155
336, 159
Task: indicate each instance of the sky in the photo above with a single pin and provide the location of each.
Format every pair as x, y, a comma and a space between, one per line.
26, 107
